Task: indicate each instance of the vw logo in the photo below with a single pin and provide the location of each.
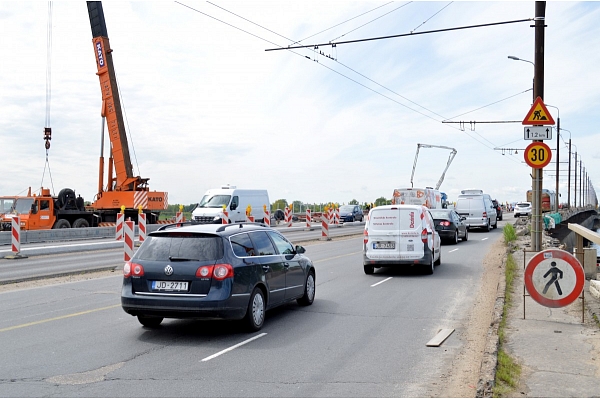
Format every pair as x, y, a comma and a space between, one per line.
168, 270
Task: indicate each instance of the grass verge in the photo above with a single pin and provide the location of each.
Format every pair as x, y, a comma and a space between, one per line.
507, 370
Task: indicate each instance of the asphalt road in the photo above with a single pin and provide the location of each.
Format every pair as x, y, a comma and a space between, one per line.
364, 336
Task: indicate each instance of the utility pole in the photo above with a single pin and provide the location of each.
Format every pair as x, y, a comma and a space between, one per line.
569, 178
575, 186
557, 162
538, 91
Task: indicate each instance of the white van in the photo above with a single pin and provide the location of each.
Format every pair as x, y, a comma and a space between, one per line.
210, 208
477, 208
401, 235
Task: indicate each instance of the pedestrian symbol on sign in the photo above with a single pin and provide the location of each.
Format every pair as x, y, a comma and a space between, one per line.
554, 279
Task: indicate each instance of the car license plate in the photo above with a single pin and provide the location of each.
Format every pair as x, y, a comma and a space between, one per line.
170, 286
384, 245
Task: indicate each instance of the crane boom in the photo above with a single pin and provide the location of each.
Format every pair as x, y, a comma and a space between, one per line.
450, 158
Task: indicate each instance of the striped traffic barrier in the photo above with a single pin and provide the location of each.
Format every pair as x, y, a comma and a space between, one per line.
119, 226
16, 234
267, 218
224, 217
142, 227
325, 226
288, 217
337, 216
128, 240
178, 217
308, 218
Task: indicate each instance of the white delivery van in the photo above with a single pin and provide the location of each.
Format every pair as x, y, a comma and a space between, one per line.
401, 235
477, 208
427, 197
210, 208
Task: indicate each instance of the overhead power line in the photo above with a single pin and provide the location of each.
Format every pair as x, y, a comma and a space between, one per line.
401, 35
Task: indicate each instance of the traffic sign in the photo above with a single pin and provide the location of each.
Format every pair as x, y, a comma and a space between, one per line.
538, 114
554, 278
538, 155
537, 133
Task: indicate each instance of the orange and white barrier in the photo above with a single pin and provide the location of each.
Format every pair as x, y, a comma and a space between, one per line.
288, 217
16, 234
179, 217
325, 226
267, 219
128, 240
225, 217
308, 218
142, 227
336, 218
119, 227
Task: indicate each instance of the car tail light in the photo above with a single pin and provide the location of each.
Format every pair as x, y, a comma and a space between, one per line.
484, 214
424, 235
222, 271
132, 269
445, 223
204, 271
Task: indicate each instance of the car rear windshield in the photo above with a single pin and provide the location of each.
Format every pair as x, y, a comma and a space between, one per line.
523, 205
440, 214
182, 246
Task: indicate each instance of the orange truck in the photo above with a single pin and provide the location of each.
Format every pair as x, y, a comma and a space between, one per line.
122, 189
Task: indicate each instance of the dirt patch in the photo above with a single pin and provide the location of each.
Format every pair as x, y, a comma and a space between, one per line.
462, 379
75, 277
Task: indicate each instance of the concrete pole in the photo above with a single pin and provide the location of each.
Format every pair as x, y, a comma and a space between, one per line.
537, 174
569, 178
557, 162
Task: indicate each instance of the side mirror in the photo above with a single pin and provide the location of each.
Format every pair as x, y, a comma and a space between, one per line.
300, 249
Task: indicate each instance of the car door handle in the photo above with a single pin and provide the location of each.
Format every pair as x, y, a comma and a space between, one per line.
266, 268
286, 265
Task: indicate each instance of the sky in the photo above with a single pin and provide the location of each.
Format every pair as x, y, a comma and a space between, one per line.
206, 105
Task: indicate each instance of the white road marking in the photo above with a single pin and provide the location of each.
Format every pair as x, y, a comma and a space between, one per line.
484, 239
452, 250
232, 347
378, 283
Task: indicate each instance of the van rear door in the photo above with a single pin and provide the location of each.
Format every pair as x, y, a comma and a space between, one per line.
395, 234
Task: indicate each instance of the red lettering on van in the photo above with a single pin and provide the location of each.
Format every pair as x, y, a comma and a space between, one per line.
412, 219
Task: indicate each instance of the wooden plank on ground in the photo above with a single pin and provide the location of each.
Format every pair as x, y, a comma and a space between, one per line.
440, 337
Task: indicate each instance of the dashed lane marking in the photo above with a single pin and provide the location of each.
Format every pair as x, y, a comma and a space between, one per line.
380, 282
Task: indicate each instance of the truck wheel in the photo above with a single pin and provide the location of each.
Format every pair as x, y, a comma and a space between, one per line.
81, 223
62, 224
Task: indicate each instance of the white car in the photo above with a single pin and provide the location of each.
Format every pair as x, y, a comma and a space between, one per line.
522, 209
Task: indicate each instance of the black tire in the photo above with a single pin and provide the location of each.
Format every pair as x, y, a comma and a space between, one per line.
495, 225
62, 224
428, 269
466, 237
81, 223
488, 226
455, 239
352, 219
255, 314
149, 322
369, 269
309, 290
439, 260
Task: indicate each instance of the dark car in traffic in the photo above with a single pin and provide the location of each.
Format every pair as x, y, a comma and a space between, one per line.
450, 225
351, 213
234, 271
498, 208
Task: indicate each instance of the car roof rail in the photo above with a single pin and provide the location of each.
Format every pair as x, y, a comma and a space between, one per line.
177, 225
241, 225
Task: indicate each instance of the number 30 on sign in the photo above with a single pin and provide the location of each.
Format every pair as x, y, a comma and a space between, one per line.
538, 155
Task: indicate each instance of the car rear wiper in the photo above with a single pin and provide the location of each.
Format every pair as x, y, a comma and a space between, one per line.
171, 258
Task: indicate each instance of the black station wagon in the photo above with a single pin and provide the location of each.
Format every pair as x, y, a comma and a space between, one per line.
235, 271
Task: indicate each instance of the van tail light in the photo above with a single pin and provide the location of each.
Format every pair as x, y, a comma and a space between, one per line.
424, 235
445, 223
484, 214
132, 269
366, 236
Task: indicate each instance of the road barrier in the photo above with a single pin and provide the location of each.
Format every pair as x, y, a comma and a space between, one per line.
325, 226
16, 234
128, 240
119, 226
142, 227
308, 218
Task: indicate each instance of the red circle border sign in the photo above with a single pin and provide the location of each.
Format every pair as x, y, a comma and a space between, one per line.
569, 259
532, 163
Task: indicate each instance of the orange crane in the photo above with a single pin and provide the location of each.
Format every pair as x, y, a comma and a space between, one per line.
123, 191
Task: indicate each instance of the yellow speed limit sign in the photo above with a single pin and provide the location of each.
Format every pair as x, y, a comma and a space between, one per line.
538, 155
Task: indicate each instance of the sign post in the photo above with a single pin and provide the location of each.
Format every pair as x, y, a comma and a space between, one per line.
538, 115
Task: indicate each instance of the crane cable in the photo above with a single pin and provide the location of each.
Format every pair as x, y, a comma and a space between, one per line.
47, 129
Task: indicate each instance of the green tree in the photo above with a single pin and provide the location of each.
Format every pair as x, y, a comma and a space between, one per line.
353, 202
381, 201
281, 204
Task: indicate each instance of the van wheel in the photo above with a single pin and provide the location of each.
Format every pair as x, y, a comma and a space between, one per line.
428, 269
488, 226
439, 260
369, 269
495, 225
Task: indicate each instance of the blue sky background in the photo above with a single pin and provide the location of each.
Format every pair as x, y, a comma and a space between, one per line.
206, 105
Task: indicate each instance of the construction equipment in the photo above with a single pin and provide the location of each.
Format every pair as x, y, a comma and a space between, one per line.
124, 192
450, 158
